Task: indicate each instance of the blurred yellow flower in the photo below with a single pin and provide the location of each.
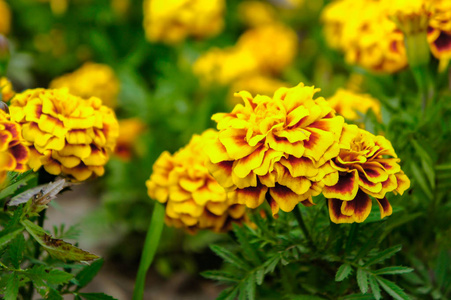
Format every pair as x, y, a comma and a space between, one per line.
256, 13
274, 46
5, 18
194, 199
366, 34
58, 7
353, 105
65, 133
7, 91
129, 132
281, 145
13, 153
91, 80
171, 21
224, 65
439, 31
256, 85
367, 166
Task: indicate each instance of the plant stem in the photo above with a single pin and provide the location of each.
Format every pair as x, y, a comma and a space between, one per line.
149, 250
351, 237
298, 215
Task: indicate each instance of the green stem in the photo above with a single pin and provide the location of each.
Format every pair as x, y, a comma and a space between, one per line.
298, 215
351, 237
150, 248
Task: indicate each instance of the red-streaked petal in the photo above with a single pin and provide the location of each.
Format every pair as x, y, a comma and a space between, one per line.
345, 189
362, 207
384, 207
335, 212
252, 197
285, 198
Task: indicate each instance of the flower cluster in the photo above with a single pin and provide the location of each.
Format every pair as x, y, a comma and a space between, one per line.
91, 80
65, 133
5, 17
13, 153
352, 105
174, 20
194, 200
367, 166
291, 147
6, 89
371, 33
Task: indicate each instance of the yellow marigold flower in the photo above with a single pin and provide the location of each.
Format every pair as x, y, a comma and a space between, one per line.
129, 131
439, 31
91, 80
58, 7
5, 18
274, 46
13, 153
367, 166
366, 34
353, 105
281, 145
171, 21
257, 84
7, 91
256, 13
224, 65
194, 199
65, 133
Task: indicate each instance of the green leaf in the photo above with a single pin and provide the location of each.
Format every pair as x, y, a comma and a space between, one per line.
359, 297
16, 249
221, 276
393, 270
54, 295
12, 287
271, 264
55, 247
96, 296
88, 273
362, 280
343, 271
39, 274
387, 253
230, 257
429, 171
392, 289
9, 237
228, 294
304, 297
419, 177
16, 182
248, 249
442, 268
375, 289
259, 276
250, 287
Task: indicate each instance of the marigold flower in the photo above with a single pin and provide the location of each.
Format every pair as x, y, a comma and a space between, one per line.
65, 133
194, 199
224, 65
13, 153
352, 105
366, 34
5, 18
7, 91
91, 80
439, 31
274, 46
256, 13
281, 145
367, 166
171, 21
129, 131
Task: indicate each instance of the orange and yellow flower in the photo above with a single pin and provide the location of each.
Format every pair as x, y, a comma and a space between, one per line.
367, 166
353, 105
65, 133
276, 148
256, 13
5, 17
439, 31
6, 88
194, 200
91, 80
129, 132
172, 21
13, 153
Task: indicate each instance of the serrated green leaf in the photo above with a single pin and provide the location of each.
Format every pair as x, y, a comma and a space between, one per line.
343, 271
96, 296
259, 276
375, 289
53, 295
271, 264
228, 294
392, 289
55, 247
88, 273
16, 182
249, 250
221, 276
16, 249
250, 287
393, 270
4, 240
362, 280
13, 222
12, 287
381, 256
39, 274
230, 257
359, 297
